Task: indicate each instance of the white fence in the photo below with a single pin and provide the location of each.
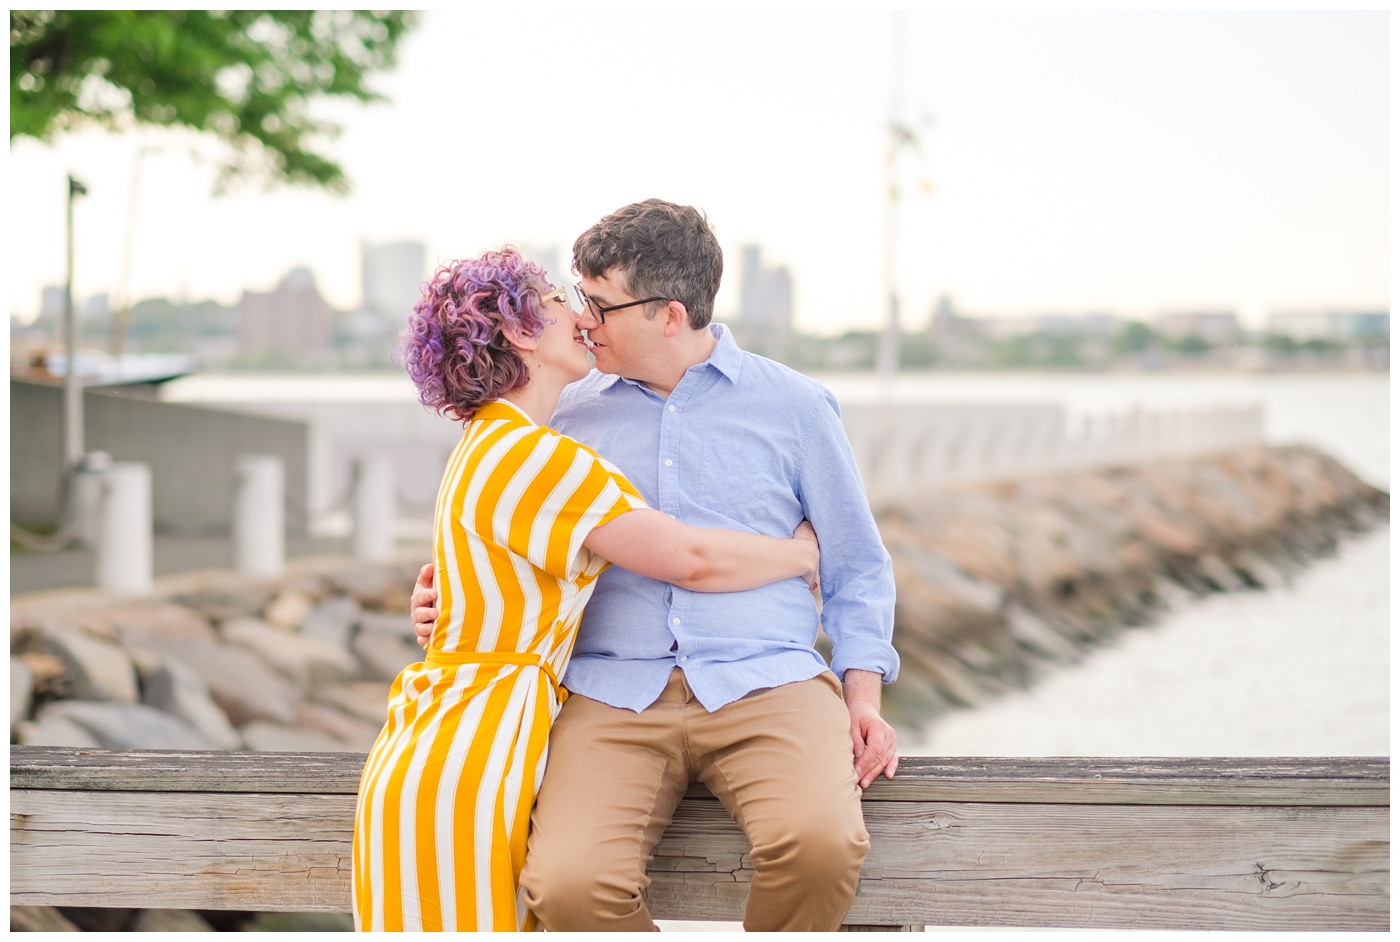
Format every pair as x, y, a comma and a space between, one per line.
904, 447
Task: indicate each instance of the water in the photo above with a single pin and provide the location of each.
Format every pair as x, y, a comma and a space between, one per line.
1297, 671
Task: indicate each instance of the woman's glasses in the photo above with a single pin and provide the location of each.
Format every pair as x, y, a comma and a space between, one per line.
569, 296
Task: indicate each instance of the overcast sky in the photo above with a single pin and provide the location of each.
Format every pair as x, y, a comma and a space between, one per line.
1128, 162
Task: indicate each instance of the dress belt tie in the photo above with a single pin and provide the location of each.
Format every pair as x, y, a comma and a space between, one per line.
457, 659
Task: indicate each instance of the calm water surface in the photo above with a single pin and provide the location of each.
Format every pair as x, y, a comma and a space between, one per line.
1297, 671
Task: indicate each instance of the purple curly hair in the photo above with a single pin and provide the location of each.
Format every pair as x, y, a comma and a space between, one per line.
454, 346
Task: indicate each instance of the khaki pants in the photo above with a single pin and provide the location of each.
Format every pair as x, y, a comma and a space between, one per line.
780, 761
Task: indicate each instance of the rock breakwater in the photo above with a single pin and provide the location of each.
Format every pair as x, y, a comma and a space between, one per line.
995, 583
215, 661
998, 582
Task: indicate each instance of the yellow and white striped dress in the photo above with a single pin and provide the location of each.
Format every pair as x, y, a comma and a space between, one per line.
445, 798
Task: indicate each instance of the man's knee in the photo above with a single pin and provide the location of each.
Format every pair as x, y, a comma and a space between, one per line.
581, 893
819, 849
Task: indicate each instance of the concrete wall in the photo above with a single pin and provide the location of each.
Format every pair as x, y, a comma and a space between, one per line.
191, 451
904, 447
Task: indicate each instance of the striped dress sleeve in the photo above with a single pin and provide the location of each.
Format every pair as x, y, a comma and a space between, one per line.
566, 490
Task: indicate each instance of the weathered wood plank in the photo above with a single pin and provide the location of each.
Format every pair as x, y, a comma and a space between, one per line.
1358, 781
258, 853
1115, 866
936, 863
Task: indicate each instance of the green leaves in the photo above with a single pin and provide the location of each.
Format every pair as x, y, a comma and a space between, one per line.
248, 77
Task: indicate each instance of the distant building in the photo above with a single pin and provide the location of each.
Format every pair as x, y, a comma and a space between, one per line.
765, 299
946, 321
1329, 325
390, 275
1214, 327
1058, 324
291, 322
51, 303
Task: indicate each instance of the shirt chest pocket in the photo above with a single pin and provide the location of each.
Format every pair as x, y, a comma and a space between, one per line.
736, 482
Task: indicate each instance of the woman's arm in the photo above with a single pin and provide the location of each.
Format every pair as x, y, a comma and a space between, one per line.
702, 559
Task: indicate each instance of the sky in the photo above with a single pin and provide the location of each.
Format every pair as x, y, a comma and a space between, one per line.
1127, 162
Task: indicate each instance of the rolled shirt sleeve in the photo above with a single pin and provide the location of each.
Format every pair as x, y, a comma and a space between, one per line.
857, 578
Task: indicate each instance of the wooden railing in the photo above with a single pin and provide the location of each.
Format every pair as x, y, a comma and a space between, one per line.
1257, 844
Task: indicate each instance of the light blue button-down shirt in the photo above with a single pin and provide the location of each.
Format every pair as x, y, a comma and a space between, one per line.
745, 443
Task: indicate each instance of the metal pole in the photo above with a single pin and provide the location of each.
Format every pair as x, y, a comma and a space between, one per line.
887, 364
72, 389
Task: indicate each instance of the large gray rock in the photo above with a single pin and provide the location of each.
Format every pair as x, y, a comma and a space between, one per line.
101, 670
21, 690
157, 622
170, 920
225, 602
355, 733
289, 609
367, 583
300, 922
173, 687
54, 730
333, 621
53, 679
399, 624
261, 736
128, 725
240, 682
308, 662
382, 656
367, 700
39, 919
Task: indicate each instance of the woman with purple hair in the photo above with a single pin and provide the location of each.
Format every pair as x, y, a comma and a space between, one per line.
526, 520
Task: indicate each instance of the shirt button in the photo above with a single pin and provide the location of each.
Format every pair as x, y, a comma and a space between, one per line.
684, 658
670, 408
675, 621
668, 462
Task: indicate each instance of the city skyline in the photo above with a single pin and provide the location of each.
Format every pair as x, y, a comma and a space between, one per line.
1129, 162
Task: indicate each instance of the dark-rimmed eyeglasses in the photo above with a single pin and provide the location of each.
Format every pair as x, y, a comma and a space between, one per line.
600, 312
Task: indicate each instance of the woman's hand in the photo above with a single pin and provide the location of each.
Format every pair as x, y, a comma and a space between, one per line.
805, 532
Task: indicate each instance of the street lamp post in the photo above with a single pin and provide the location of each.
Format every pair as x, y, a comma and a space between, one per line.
887, 357
72, 388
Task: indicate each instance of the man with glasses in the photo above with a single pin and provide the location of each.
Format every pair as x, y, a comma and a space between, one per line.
669, 686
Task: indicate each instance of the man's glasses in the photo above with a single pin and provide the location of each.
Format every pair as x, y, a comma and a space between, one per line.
600, 312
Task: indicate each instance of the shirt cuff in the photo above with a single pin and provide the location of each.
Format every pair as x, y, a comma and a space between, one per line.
865, 654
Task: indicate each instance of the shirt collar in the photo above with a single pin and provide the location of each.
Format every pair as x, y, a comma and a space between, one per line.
726, 358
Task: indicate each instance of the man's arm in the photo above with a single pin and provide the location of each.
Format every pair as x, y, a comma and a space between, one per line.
857, 582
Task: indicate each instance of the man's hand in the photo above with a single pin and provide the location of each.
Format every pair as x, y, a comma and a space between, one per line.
872, 739
423, 606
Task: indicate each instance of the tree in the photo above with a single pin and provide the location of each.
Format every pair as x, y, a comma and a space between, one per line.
1135, 338
248, 77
